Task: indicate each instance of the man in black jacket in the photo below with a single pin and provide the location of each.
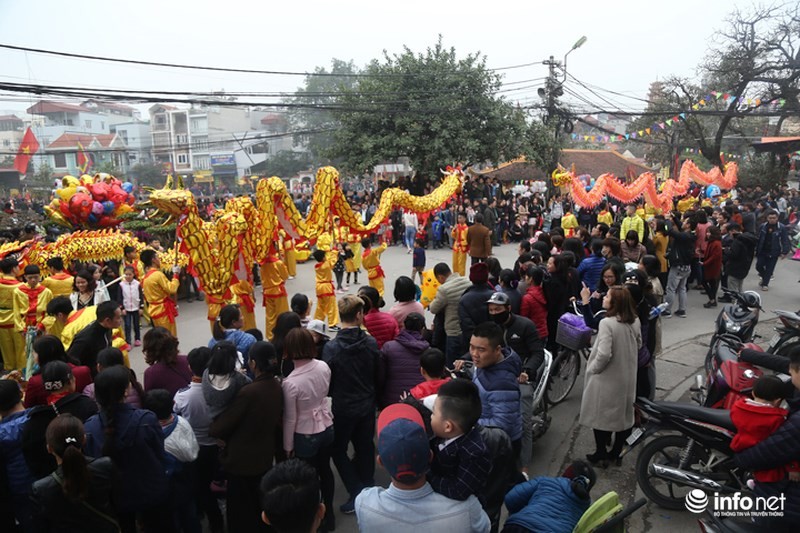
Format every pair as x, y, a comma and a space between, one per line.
739, 256
680, 258
96, 336
472, 306
354, 360
520, 334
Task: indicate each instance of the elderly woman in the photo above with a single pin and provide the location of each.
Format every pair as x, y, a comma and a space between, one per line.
167, 370
610, 378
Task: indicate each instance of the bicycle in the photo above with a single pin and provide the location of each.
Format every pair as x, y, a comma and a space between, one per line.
576, 343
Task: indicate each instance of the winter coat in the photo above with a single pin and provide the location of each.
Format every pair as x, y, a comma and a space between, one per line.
473, 309
401, 363
712, 261
138, 455
779, 241
514, 298
520, 334
250, 427
681, 250
88, 343
479, 241
17, 474
54, 512
545, 505
447, 300
610, 378
355, 363
740, 255
34, 445
590, 270
498, 386
382, 326
534, 307
462, 467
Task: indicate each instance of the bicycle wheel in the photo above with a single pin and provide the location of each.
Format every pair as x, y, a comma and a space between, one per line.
562, 378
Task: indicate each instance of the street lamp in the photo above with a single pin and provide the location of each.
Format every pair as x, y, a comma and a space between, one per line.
580, 42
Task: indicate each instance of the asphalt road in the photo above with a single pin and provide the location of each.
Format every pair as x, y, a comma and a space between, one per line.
684, 341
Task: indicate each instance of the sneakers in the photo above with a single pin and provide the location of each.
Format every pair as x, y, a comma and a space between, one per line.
680, 314
764, 288
290, 277
137, 342
667, 314
709, 305
348, 507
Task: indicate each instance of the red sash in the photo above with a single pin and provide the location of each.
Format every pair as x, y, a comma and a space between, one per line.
33, 303
377, 272
247, 302
170, 309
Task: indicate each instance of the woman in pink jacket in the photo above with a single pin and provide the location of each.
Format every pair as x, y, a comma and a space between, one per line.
307, 418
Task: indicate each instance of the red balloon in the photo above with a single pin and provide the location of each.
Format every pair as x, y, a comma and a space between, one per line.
107, 221
99, 191
80, 205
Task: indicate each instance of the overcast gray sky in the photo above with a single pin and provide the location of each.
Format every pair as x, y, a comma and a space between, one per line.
630, 43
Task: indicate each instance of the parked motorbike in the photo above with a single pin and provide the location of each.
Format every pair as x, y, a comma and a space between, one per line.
739, 317
695, 455
787, 336
727, 378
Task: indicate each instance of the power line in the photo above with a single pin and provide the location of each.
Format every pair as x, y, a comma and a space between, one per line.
220, 69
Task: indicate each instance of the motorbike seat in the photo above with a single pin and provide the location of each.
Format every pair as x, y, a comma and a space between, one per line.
718, 417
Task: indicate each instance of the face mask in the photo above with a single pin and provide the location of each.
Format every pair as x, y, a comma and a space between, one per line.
501, 318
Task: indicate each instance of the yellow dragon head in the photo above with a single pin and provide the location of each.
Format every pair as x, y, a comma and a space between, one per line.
174, 201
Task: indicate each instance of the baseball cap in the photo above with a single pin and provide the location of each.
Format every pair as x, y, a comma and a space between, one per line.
318, 326
402, 443
499, 298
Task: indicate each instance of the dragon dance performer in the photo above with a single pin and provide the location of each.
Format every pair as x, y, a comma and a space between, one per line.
460, 244
30, 307
132, 260
353, 264
290, 254
371, 259
59, 281
158, 292
12, 344
569, 223
326, 296
242, 292
605, 216
273, 278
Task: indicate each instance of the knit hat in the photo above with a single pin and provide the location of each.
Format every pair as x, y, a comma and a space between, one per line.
479, 273
402, 443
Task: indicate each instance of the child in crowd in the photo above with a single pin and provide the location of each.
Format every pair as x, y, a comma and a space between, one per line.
550, 503
352, 264
461, 461
221, 379
437, 230
326, 296
191, 406
302, 307
756, 419
418, 261
534, 302
181, 449
432, 367
132, 305
338, 268
371, 259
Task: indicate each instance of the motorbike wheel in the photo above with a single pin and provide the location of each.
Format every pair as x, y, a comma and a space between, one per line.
563, 376
666, 450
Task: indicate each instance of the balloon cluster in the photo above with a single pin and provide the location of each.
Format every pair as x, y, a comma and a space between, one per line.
91, 202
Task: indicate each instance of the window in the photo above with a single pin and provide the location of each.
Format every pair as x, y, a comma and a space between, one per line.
182, 159
6, 143
182, 138
102, 125
88, 124
260, 148
60, 160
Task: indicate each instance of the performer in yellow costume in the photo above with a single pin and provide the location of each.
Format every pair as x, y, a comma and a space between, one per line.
371, 259
242, 292
290, 254
354, 242
326, 296
30, 306
59, 281
460, 245
132, 260
12, 343
158, 292
605, 216
273, 276
569, 223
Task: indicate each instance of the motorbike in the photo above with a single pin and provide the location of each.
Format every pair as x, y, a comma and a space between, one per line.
787, 336
695, 455
739, 317
541, 419
727, 378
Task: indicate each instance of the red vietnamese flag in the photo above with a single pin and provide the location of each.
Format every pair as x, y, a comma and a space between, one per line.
27, 148
84, 160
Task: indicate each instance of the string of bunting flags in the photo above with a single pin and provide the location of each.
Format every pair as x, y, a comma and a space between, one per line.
713, 96
726, 154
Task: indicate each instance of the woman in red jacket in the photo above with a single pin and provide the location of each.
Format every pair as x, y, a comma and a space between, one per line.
534, 303
712, 265
380, 325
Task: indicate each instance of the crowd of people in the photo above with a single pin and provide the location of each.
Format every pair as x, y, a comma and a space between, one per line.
261, 424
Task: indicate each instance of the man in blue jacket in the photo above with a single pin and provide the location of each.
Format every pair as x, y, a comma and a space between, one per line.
773, 242
591, 267
15, 476
497, 370
777, 450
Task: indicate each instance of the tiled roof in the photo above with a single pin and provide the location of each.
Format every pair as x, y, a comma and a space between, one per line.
46, 106
10, 118
71, 140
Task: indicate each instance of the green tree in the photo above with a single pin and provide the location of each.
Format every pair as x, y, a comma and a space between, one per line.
287, 163
109, 168
432, 107
308, 113
147, 174
43, 177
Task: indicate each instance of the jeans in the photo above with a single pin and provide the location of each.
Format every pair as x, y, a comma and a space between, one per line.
132, 322
452, 349
358, 472
676, 282
316, 451
765, 266
410, 235
526, 407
